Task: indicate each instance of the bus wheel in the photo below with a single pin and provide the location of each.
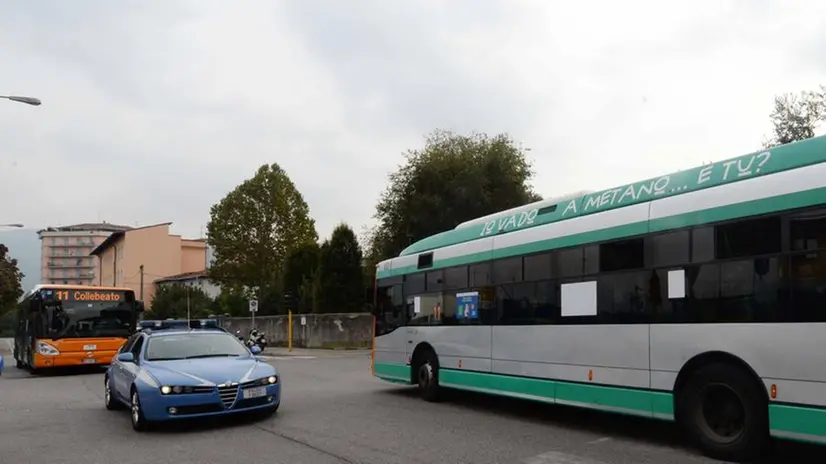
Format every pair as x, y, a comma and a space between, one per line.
427, 376
725, 412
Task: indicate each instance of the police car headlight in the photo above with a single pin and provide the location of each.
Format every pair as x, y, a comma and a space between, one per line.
176, 389
273, 379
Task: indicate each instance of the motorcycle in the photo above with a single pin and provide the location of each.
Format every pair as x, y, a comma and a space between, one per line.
256, 338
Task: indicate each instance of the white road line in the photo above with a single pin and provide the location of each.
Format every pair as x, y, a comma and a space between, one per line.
599, 440
555, 457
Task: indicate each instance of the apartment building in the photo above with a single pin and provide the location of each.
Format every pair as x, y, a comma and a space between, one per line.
64, 252
135, 258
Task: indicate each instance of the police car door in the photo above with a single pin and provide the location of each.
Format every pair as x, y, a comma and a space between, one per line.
129, 371
116, 368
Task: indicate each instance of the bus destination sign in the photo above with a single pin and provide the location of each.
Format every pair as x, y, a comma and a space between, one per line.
89, 295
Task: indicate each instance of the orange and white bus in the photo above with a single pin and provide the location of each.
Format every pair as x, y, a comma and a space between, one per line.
73, 325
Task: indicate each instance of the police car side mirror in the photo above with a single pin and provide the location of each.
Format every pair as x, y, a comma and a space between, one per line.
126, 357
255, 349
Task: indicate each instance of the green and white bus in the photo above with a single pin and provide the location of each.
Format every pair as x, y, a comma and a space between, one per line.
698, 296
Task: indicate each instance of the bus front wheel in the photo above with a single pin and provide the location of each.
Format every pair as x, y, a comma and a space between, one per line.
427, 376
725, 412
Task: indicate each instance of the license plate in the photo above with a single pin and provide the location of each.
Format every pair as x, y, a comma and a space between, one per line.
90, 361
256, 392
89, 347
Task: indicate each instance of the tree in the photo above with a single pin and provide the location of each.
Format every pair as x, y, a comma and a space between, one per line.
301, 277
340, 272
796, 117
252, 231
171, 300
10, 289
10, 281
454, 178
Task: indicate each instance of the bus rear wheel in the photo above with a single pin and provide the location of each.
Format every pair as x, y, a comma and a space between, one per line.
725, 412
427, 376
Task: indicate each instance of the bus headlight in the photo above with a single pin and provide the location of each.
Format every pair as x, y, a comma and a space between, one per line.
45, 349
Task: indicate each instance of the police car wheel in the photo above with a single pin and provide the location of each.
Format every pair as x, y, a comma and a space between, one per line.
110, 403
138, 421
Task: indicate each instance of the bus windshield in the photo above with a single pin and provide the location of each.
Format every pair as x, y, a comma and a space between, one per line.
79, 314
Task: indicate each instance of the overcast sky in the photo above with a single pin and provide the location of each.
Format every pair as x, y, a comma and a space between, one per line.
154, 110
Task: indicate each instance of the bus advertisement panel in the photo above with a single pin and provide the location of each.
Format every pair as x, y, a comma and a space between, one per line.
62, 326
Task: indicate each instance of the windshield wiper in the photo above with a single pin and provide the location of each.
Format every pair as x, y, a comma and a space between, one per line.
211, 356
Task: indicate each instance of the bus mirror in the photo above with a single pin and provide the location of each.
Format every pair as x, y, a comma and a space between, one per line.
139, 306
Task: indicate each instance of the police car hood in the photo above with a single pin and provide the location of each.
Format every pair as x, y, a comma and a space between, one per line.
209, 371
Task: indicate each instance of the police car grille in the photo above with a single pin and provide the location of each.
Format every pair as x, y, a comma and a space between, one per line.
228, 395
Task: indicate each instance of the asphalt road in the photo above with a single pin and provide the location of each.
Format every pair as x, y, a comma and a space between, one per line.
333, 411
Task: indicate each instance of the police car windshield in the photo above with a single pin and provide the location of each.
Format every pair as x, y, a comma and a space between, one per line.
193, 345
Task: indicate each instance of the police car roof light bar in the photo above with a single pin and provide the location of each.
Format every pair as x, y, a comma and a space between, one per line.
180, 324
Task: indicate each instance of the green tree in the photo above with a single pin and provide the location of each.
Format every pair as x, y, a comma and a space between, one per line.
796, 117
452, 179
232, 302
301, 277
10, 279
252, 231
340, 272
10, 290
171, 300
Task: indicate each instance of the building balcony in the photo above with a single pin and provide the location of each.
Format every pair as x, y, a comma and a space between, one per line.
72, 245
70, 265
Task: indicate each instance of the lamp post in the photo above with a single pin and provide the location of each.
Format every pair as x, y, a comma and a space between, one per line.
27, 100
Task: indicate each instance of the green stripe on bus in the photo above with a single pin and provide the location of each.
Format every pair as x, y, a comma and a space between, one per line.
798, 422
615, 399
721, 213
392, 372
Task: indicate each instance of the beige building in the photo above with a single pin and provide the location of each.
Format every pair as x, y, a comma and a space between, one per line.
64, 252
136, 258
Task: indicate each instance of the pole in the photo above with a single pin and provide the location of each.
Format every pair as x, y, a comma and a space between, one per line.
290, 331
187, 305
141, 292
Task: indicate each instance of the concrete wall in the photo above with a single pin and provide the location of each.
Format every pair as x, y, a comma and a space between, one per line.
353, 330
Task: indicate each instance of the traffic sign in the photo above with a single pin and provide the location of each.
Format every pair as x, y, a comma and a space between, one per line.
303, 320
253, 306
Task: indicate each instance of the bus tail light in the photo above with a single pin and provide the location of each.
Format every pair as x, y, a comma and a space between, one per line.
774, 391
45, 349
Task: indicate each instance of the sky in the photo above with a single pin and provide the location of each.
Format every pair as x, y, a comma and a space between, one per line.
154, 110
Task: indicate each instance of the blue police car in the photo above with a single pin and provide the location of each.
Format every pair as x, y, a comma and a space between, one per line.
172, 370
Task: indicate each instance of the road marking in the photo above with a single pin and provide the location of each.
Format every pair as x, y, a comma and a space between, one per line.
555, 457
599, 440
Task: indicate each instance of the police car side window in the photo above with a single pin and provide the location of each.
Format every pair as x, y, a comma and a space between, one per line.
136, 347
126, 347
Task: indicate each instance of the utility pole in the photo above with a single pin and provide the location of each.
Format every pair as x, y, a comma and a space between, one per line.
141, 291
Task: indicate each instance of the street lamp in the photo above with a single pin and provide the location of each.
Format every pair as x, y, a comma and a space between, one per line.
27, 100
12, 225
